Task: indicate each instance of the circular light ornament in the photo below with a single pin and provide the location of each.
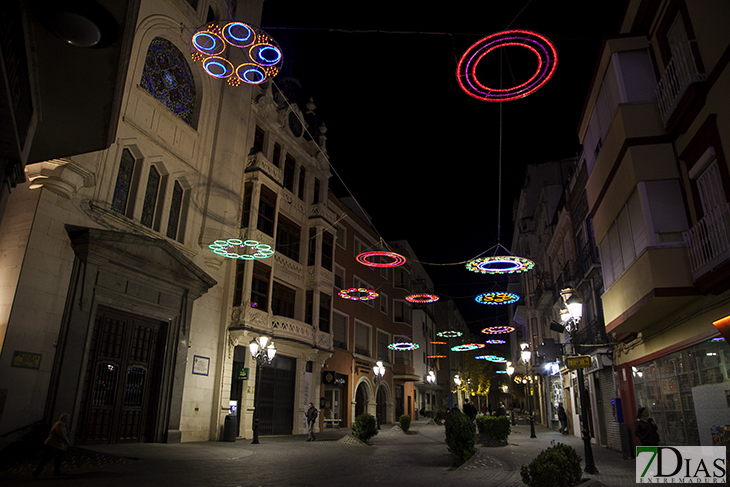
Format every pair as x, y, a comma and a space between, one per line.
539, 45
449, 334
403, 346
237, 52
492, 358
358, 294
501, 371
467, 347
422, 298
505, 264
496, 298
396, 261
498, 330
235, 248
495, 342
435, 356
437, 343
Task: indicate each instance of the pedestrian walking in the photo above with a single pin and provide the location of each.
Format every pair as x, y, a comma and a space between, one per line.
563, 417
55, 447
470, 410
489, 408
646, 429
311, 415
501, 411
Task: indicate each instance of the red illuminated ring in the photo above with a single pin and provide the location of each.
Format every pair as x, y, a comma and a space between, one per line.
364, 294
547, 62
397, 259
422, 298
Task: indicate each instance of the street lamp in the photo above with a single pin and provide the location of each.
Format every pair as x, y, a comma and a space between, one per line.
431, 379
511, 373
457, 381
526, 355
378, 373
263, 351
571, 316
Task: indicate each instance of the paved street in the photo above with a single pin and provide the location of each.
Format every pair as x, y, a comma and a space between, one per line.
394, 458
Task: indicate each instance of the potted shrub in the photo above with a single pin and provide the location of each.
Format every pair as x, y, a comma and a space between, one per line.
494, 429
405, 422
460, 436
557, 466
364, 427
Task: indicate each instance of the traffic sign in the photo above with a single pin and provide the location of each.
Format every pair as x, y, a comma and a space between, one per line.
578, 362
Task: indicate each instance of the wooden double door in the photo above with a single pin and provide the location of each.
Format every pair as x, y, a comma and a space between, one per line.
121, 393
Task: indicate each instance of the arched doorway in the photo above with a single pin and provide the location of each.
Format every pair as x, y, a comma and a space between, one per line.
361, 400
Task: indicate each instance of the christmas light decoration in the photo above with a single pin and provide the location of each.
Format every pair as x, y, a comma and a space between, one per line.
437, 343
498, 330
501, 371
718, 339
467, 347
226, 249
448, 334
508, 264
365, 256
237, 52
495, 342
358, 294
403, 346
547, 62
497, 298
435, 356
492, 358
422, 298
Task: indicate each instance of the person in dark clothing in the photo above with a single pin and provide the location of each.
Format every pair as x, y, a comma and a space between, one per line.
470, 410
563, 417
501, 411
489, 408
646, 429
311, 415
55, 447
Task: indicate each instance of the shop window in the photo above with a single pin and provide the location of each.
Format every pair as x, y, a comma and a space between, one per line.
282, 300
168, 77
288, 234
267, 211
123, 198
260, 286
325, 305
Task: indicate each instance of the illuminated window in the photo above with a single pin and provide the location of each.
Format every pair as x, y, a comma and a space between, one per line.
167, 77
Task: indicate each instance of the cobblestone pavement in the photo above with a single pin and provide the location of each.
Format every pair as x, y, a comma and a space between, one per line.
394, 459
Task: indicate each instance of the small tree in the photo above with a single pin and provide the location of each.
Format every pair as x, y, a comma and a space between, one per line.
557, 466
364, 427
496, 427
405, 422
460, 436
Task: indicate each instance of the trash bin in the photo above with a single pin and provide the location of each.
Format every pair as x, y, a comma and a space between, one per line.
229, 428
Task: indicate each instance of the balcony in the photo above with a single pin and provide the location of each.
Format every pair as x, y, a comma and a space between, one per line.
403, 370
681, 72
257, 162
708, 241
588, 258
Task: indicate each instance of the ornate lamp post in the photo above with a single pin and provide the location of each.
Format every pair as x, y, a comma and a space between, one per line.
571, 316
457, 381
263, 351
526, 355
511, 373
378, 373
431, 379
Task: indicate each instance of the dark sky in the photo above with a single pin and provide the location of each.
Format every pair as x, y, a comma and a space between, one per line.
419, 154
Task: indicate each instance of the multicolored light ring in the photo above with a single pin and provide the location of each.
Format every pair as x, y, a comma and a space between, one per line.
497, 298
500, 371
506, 264
437, 343
236, 52
422, 298
495, 342
467, 346
544, 50
223, 247
449, 334
397, 259
362, 294
498, 330
492, 358
403, 346
718, 339
435, 356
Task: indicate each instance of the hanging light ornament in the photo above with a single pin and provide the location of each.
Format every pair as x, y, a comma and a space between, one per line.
498, 330
496, 298
492, 358
235, 248
236, 52
547, 62
403, 346
435, 356
437, 343
505, 264
495, 342
422, 298
449, 334
467, 347
358, 294
397, 259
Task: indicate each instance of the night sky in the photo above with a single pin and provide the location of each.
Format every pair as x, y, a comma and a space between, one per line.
418, 153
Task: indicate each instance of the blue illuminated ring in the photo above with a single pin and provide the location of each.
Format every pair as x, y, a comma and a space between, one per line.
495, 342
256, 54
250, 73
497, 298
467, 346
218, 67
500, 265
209, 44
234, 38
492, 358
403, 346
